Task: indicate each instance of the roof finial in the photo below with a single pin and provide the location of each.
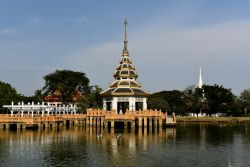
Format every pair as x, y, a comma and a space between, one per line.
125, 35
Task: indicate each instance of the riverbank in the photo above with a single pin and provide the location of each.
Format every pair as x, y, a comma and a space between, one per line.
214, 119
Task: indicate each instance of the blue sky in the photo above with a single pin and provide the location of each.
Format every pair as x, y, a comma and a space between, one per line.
168, 41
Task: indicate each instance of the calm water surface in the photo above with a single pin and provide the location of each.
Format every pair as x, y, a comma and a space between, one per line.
186, 145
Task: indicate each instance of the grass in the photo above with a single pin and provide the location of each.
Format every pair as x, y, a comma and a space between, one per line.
214, 119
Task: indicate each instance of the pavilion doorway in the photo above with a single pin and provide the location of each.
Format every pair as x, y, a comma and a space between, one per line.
108, 106
122, 107
138, 106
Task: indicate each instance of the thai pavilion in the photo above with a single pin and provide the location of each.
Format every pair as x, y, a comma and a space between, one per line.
125, 93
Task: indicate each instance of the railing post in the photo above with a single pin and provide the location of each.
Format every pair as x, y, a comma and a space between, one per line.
160, 122
112, 123
102, 121
132, 124
154, 122
98, 121
140, 121
145, 121
90, 121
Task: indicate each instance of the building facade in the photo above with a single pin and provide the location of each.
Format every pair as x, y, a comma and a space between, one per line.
125, 93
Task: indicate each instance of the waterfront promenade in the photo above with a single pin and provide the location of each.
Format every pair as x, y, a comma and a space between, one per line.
93, 118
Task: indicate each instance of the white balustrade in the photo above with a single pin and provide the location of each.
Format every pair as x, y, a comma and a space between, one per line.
32, 108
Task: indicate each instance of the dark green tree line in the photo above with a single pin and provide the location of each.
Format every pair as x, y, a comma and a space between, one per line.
209, 99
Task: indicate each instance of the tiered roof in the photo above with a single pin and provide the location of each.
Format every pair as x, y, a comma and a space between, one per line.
125, 83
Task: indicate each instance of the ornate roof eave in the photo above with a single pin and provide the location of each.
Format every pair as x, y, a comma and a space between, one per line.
125, 94
125, 86
126, 75
128, 68
111, 93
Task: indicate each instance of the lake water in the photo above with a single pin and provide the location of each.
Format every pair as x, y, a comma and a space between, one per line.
187, 144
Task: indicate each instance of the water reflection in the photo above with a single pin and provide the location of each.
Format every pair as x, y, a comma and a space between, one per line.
185, 145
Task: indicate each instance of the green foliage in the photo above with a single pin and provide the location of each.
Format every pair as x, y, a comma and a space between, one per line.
91, 100
158, 104
244, 101
193, 100
208, 99
38, 97
66, 82
170, 101
94, 97
7, 95
218, 99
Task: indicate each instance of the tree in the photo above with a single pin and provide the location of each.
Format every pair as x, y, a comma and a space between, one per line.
158, 104
91, 100
174, 99
244, 100
66, 83
94, 97
218, 99
38, 97
193, 100
7, 95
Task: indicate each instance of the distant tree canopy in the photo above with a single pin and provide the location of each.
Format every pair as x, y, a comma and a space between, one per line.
167, 101
66, 82
244, 101
208, 99
218, 99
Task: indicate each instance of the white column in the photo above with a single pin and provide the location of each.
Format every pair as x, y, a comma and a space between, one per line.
114, 104
145, 106
131, 104
104, 105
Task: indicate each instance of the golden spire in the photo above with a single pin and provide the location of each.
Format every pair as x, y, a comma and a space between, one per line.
125, 49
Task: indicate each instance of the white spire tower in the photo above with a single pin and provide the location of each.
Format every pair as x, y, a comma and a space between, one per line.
200, 80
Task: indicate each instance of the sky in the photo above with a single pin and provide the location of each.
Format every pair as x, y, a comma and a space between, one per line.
168, 41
